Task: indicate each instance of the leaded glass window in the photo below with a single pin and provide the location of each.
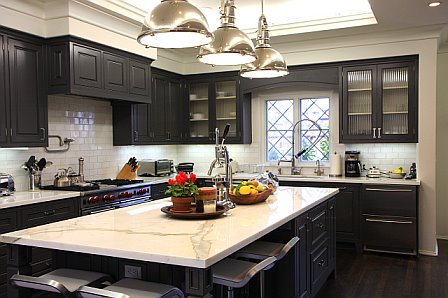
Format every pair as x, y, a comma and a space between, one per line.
280, 119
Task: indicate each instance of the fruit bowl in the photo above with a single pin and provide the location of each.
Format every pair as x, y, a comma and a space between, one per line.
250, 198
396, 175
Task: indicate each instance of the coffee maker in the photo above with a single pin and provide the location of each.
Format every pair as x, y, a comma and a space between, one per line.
352, 164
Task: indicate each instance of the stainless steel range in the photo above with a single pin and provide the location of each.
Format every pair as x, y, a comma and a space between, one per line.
108, 194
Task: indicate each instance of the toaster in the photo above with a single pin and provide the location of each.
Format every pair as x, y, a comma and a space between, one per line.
6, 184
155, 167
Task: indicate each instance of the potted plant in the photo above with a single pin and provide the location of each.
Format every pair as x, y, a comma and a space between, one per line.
182, 189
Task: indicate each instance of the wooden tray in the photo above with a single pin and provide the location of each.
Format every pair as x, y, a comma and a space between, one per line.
193, 214
251, 199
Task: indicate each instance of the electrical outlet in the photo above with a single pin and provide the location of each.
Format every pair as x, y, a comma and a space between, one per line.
133, 271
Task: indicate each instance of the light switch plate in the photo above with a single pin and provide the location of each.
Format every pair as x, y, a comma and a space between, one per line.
133, 271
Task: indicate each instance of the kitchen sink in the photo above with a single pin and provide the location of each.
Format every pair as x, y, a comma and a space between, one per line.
302, 176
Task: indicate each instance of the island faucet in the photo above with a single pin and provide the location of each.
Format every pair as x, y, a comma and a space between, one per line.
222, 158
319, 171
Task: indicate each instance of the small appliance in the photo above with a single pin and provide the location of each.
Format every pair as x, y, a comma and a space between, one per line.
6, 184
374, 172
155, 167
186, 167
352, 164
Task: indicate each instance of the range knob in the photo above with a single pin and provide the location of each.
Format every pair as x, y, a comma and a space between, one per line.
112, 197
106, 198
91, 200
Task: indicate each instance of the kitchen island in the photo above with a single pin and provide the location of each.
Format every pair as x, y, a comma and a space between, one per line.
187, 249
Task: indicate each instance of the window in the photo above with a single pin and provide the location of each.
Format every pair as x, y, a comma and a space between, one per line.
282, 114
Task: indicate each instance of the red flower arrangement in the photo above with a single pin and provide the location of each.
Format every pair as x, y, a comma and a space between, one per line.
183, 185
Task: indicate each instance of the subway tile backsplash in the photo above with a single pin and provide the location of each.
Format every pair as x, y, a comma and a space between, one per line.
89, 122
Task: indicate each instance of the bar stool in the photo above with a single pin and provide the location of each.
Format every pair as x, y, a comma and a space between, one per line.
63, 281
235, 273
260, 250
131, 288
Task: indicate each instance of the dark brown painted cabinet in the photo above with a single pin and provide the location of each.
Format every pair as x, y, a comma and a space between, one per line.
214, 100
160, 122
85, 68
29, 216
379, 101
23, 100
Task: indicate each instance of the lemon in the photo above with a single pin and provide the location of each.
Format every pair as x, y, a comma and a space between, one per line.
245, 190
260, 188
253, 191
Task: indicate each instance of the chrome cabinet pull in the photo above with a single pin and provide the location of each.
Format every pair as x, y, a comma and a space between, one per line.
135, 136
6, 131
44, 133
50, 212
389, 190
379, 132
374, 132
389, 221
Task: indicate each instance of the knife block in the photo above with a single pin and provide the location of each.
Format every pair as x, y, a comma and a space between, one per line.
127, 173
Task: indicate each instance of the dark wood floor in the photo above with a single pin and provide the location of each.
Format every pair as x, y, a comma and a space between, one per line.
382, 275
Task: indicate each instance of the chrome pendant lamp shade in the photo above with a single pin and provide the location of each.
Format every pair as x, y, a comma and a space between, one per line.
231, 46
175, 24
269, 62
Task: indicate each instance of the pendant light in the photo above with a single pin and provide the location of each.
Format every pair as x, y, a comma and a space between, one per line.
175, 24
231, 46
269, 62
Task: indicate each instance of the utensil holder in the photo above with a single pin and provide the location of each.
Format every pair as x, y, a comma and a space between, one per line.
34, 181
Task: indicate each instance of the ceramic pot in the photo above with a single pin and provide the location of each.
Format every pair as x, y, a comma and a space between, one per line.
182, 204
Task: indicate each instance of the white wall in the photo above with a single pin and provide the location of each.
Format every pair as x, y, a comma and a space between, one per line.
442, 144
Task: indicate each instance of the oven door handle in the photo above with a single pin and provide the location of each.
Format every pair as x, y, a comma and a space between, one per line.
102, 210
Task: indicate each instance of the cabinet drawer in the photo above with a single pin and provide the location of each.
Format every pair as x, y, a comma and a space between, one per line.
318, 228
47, 213
8, 221
319, 265
389, 233
389, 200
38, 254
2, 250
41, 267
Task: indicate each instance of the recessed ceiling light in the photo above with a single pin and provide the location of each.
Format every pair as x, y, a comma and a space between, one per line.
434, 3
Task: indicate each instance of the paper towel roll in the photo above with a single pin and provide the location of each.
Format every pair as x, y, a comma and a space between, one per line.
335, 165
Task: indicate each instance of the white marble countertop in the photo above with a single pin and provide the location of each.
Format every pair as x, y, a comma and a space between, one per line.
20, 198
143, 232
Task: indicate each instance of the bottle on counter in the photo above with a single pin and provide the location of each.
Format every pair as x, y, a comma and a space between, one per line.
206, 200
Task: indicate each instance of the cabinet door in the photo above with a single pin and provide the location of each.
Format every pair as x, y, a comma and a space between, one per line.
302, 257
174, 111
3, 109
225, 108
160, 91
398, 117
27, 93
87, 67
358, 111
115, 73
199, 107
142, 133
58, 68
347, 213
40, 214
139, 79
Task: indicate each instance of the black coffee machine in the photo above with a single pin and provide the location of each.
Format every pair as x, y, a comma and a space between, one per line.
352, 164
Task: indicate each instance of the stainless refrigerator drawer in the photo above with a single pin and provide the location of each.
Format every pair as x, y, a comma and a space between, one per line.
389, 234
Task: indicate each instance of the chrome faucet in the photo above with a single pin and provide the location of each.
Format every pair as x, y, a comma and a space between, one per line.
319, 171
222, 159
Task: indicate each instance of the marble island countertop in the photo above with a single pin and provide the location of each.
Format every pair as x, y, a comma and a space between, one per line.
32, 197
143, 232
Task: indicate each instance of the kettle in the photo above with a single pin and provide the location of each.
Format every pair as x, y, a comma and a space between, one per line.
61, 179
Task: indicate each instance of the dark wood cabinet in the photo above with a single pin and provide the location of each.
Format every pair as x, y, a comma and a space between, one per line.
379, 101
81, 67
27, 216
160, 122
215, 100
389, 220
302, 259
3, 108
346, 209
23, 99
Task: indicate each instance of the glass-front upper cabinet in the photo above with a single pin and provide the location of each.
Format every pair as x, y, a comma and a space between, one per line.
199, 109
226, 106
379, 103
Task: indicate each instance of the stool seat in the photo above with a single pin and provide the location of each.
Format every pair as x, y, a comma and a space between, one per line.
260, 250
131, 288
64, 281
235, 273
